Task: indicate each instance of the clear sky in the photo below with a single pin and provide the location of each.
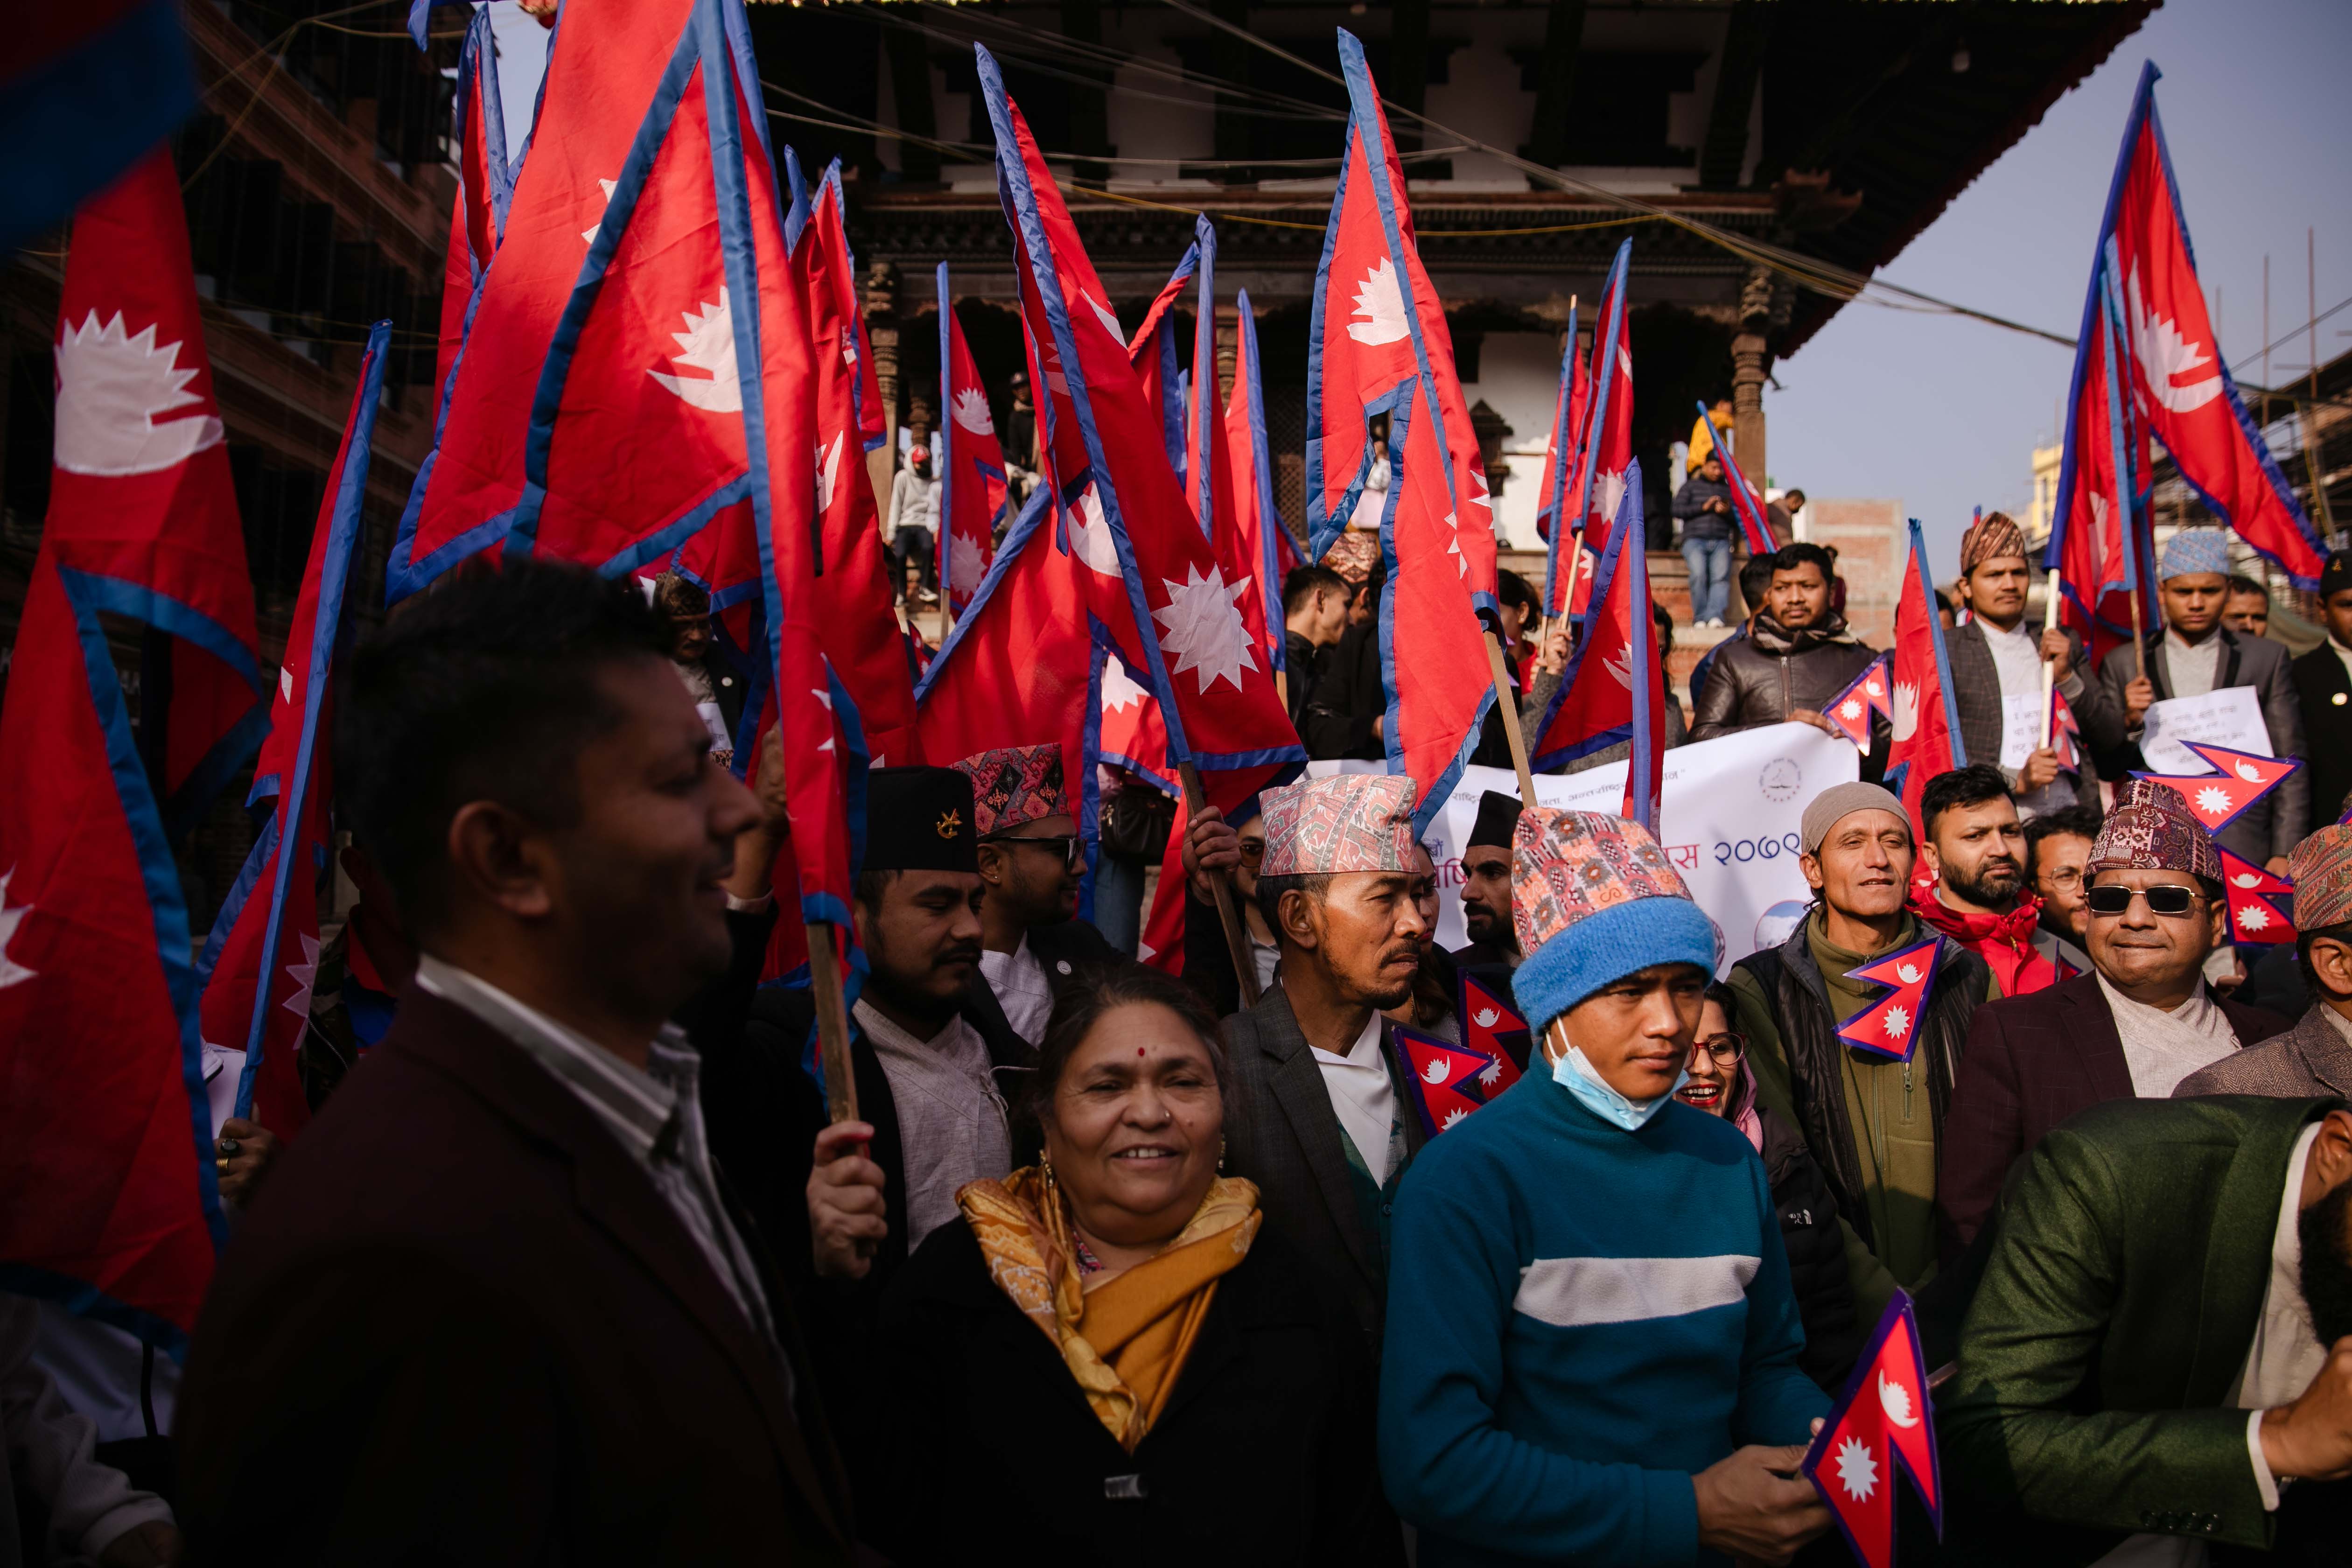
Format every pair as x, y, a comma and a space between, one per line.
1942, 413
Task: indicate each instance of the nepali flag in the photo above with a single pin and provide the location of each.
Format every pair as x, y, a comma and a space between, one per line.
2065, 734
1123, 511
253, 1000
2181, 389
85, 91
107, 1194
1159, 367
1883, 1421
1747, 502
593, 416
1606, 453
1562, 452
859, 630
2257, 914
2238, 780
1449, 1081
1610, 691
485, 183
1889, 1027
1865, 695
1257, 528
1378, 344
972, 489
1926, 716
2102, 550
1490, 1025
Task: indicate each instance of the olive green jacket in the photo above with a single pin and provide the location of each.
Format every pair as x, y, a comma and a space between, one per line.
2122, 1289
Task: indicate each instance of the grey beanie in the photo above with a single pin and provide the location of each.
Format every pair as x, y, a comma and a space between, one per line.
1841, 801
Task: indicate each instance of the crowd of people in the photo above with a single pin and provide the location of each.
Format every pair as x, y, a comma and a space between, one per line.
574, 1264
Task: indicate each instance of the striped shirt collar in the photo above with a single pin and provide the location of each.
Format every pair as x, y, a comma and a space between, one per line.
640, 1108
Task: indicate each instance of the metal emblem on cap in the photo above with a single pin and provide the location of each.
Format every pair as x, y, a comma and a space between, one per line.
951, 824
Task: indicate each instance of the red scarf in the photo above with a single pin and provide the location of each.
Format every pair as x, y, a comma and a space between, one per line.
2003, 941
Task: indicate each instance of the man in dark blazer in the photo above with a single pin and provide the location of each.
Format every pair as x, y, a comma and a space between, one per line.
2161, 1344
2322, 684
2315, 1056
1997, 661
2141, 1021
1318, 1110
497, 1306
2194, 654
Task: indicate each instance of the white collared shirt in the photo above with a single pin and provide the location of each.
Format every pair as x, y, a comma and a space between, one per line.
1022, 989
951, 1122
2016, 657
2343, 654
1362, 1096
2160, 1047
2284, 1357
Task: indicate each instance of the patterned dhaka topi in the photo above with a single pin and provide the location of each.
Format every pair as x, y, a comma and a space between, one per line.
1349, 822
1990, 538
2152, 829
2322, 868
1593, 899
2196, 552
1014, 785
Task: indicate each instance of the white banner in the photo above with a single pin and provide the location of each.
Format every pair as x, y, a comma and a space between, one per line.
2232, 716
1729, 814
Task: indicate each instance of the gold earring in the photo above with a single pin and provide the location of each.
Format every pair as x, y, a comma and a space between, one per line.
1221, 1156
1045, 1170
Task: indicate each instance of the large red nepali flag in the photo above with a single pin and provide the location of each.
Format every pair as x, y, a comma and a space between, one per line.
252, 1002
593, 414
1262, 537
86, 90
107, 1194
1614, 688
1150, 579
2101, 546
1926, 719
1606, 448
1560, 448
485, 187
971, 464
2180, 387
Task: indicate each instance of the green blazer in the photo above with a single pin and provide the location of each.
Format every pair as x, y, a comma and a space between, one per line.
2120, 1297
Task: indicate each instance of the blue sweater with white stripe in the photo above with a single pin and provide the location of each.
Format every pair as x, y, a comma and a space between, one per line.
1579, 1320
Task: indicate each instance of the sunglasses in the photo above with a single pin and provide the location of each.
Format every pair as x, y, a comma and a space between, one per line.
2165, 898
1067, 845
1726, 1047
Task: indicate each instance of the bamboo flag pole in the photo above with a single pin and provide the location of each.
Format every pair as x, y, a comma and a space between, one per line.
1220, 883
832, 1025
2053, 586
1508, 701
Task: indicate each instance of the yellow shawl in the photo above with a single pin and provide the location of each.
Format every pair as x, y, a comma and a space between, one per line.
1126, 1339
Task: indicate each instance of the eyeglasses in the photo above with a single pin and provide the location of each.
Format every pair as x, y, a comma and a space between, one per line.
1066, 844
2164, 899
2064, 877
1253, 851
1726, 1047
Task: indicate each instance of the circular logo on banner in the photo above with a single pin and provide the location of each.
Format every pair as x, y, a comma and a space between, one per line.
1779, 923
1781, 780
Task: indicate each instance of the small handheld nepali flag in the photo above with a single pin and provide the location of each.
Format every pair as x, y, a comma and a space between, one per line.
1492, 1025
1851, 710
2239, 779
1889, 1027
1883, 1421
2256, 915
2065, 734
1449, 1081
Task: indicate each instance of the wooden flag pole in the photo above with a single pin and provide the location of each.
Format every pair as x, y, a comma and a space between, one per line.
1220, 883
1508, 702
832, 1025
2054, 586
1281, 687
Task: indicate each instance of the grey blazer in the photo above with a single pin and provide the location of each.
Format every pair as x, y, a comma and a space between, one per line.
1282, 1133
2273, 824
2312, 1057
1976, 690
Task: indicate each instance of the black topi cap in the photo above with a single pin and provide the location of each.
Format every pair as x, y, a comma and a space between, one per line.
2336, 575
920, 819
1498, 818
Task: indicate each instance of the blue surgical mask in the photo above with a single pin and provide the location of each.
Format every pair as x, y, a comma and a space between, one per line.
1576, 1075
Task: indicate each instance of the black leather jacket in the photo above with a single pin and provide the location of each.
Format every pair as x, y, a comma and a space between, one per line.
1757, 679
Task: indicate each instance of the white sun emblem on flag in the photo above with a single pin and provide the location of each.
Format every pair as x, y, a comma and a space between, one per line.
971, 412
110, 387
1480, 496
828, 469
1850, 709
1203, 631
1107, 316
1907, 709
1435, 1072
1090, 533
11, 972
304, 975
1622, 667
1119, 690
590, 233
1486, 1017
1909, 973
2251, 774
1898, 1020
1493, 1075
1453, 1115
1454, 548
1857, 1470
2255, 918
965, 567
2212, 802
707, 344
1379, 299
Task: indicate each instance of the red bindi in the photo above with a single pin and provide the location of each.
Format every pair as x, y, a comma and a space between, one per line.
1139, 1050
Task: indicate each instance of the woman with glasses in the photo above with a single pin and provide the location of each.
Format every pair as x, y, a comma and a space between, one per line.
1721, 1085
